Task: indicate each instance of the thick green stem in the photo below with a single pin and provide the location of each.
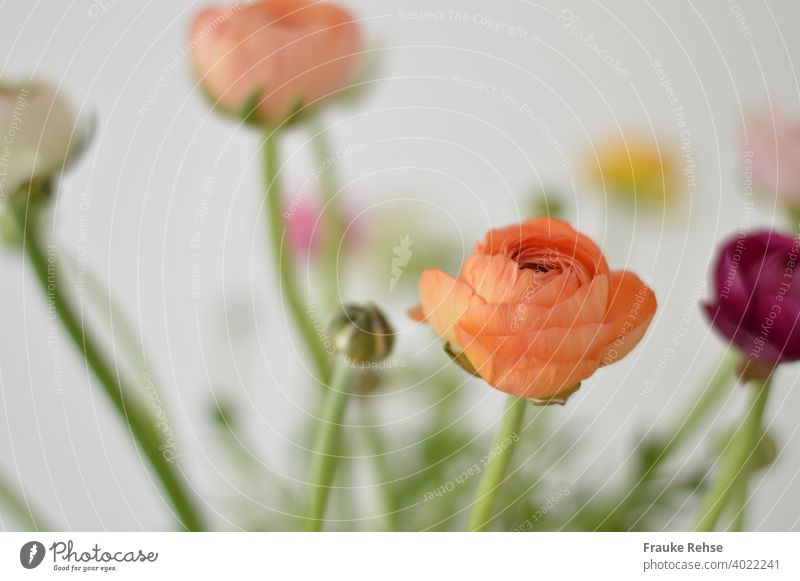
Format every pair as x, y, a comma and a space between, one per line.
735, 458
141, 426
738, 504
332, 219
497, 463
20, 509
283, 263
327, 444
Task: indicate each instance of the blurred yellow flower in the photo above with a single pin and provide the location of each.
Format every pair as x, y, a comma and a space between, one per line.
635, 170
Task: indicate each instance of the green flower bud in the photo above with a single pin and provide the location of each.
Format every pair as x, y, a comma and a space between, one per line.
362, 334
367, 382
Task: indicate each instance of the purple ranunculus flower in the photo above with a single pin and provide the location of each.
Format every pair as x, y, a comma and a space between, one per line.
756, 302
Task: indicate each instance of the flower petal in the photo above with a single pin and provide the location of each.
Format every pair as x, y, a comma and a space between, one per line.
444, 300
573, 306
528, 377
555, 236
632, 305
493, 277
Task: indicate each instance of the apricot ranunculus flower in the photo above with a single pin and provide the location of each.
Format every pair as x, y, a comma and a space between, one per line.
536, 310
276, 54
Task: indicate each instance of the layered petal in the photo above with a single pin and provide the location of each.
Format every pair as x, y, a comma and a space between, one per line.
551, 241
573, 306
444, 301
529, 377
536, 310
757, 303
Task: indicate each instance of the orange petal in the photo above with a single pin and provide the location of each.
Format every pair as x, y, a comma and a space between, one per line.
528, 377
584, 305
547, 233
494, 278
494, 239
588, 304
444, 300
547, 344
416, 313
632, 305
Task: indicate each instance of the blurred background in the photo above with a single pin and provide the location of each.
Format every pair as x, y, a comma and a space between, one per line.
473, 112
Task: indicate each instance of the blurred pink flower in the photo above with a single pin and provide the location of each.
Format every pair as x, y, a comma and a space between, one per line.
305, 228
772, 146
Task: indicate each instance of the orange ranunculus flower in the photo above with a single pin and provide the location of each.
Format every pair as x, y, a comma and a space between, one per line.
286, 53
536, 310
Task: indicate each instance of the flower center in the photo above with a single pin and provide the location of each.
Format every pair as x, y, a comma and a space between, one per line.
538, 267
539, 260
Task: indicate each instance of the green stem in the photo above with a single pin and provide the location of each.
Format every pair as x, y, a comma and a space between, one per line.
715, 388
283, 262
735, 459
119, 328
139, 422
326, 447
792, 212
333, 219
738, 504
236, 449
20, 509
377, 451
499, 458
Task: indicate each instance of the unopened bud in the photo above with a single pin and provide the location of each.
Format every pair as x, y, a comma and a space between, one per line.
362, 334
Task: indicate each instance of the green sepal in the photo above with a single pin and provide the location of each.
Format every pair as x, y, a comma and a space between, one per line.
247, 112
461, 360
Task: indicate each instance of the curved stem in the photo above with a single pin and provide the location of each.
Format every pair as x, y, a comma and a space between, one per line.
20, 508
496, 463
735, 459
141, 426
714, 389
333, 219
118, 326
327, 444
283, 262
